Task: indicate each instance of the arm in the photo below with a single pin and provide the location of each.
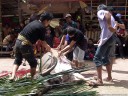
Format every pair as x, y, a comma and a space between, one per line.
48, 48
108, 19
61, 42
122, 26
65, 44
67, 47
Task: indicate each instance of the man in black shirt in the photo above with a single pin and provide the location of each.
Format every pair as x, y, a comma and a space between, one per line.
28, 36
78, 41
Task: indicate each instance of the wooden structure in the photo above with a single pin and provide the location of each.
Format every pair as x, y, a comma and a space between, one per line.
21, 8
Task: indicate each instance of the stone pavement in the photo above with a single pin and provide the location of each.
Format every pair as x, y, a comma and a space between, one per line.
119, 86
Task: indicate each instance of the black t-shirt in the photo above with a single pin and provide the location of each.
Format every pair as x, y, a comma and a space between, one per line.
34, 31
80, 39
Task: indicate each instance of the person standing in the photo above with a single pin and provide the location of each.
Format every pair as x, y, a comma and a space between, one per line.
108, 27
27, 37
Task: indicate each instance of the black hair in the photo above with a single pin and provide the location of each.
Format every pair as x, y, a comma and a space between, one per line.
102, 7
62, 20
71, 30
11, 33
46, 16
110, 8
64, 32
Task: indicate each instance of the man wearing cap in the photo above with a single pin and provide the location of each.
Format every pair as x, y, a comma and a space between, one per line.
27, 37
69, 21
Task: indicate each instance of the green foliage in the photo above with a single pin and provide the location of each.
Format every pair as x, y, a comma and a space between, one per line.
25, 86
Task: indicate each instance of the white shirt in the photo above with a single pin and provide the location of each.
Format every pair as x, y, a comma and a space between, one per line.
105, 32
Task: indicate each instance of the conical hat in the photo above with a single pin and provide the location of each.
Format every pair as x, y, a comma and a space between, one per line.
82, 4
54, 23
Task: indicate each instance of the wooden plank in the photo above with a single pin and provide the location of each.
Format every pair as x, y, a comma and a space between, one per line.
5, 52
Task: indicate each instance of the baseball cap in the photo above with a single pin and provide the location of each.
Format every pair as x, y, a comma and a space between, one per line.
68, 15
46, 16
118, 15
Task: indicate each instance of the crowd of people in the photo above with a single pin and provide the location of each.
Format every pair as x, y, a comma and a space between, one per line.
70, 40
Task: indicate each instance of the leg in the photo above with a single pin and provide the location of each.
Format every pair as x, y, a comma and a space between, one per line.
17, 61
28, 54
99, 73
33, 72
99, 61
112, 61
74, 63
75, 56
111, 55
109, 69
15, 68
80, 57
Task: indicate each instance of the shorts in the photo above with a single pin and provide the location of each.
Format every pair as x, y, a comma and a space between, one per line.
102, 54
24, 51
78, 54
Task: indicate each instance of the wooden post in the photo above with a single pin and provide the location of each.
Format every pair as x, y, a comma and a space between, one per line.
126, 9
0, 22
91, 9
106, 2
19, 11
70, 6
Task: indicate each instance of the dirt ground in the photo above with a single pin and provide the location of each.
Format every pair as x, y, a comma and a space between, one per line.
118, 87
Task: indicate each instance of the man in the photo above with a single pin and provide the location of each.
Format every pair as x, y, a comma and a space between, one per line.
27, 37
78, 41
9, 41
120, 32
112, 52
69, 23
108, 27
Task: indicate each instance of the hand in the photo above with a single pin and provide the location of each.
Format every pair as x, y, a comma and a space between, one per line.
51, 51
116, 25
98, 42
59, 53
58, 48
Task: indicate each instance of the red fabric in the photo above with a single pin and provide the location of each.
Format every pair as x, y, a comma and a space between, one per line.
122, 32
56, 42
19, 73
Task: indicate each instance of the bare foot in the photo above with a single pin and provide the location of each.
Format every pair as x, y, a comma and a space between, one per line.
11, 78
108, 79
97, 83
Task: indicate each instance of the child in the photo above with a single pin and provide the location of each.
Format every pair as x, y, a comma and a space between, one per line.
89, 53
56, 40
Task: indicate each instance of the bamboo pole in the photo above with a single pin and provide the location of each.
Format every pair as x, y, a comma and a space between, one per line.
0, 22
106, 2
19, 11
126, 9
91, 14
